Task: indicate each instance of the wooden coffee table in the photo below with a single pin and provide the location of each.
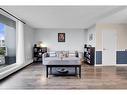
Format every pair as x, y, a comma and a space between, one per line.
64, 63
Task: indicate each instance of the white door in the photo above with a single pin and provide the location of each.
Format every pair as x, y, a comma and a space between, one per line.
109, 47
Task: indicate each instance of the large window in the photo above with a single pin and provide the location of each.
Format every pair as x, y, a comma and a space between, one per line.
7, 41
2, 35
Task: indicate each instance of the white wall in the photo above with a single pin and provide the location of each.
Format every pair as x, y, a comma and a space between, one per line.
92, 31
121, 31
74, 39
28, 38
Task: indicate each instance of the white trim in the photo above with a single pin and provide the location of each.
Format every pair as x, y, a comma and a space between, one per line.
7, 15
103, 47
14, 67
95, 48
98, 65
7, 67
121, 64
112, 65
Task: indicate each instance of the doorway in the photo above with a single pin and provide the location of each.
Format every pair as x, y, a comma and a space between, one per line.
109, 38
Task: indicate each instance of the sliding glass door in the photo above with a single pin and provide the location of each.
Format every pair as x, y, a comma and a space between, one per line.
7, 41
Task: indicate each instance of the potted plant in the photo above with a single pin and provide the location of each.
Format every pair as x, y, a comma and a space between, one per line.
2, 55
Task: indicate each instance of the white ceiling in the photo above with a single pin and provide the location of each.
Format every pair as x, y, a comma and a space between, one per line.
61, 16
117, 18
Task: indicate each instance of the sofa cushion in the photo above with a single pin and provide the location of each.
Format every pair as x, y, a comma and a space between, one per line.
72, 58
64, 62
63, 53
51, 58
52, 54
71, 54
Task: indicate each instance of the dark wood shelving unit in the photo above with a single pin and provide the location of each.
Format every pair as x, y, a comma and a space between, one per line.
37, 53
89, 55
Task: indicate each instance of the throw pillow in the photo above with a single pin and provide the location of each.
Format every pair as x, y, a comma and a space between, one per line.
52, 54
71, 54
65, 53
57, 53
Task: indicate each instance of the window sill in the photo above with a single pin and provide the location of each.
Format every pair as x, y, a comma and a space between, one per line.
6, 71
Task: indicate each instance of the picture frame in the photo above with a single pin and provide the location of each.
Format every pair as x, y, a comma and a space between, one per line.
61, 37
90, 37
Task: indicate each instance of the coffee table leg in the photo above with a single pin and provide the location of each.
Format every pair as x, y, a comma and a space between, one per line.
75, 70
50, 70
47, 71
80, 71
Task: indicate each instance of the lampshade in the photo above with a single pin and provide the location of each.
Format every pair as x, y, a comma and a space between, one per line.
41, 44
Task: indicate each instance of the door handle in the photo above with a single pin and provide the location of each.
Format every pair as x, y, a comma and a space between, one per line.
104, 49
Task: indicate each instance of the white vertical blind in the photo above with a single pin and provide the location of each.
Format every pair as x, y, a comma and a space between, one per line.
20, 58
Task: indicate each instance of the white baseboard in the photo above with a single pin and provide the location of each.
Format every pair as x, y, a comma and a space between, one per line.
113, 65
121, 64
13, 68
98, 65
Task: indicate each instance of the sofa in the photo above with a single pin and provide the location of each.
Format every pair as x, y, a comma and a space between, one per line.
61, 55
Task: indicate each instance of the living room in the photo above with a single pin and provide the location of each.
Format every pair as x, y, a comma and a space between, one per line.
67, 29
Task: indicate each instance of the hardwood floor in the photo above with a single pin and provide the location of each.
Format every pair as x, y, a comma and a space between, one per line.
33, 77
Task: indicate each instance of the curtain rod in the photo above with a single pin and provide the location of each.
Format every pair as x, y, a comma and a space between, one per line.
12, 15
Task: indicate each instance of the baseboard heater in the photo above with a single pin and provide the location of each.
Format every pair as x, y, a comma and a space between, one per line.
12, 69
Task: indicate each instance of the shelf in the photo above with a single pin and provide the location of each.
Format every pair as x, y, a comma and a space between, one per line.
89, 55
38, 52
